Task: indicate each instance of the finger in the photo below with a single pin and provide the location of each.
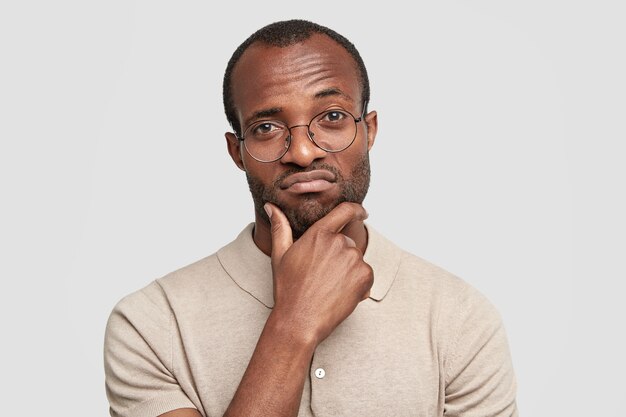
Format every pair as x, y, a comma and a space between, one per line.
282, 238
366, 295
340, 216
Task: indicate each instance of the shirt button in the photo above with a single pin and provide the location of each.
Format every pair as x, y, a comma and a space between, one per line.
320, 373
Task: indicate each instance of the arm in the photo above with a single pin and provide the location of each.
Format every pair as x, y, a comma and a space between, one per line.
182, 412
479, 376
318, 282
138, 357
274, 378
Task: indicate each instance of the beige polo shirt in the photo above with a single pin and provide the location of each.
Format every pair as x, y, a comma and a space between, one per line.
424, 344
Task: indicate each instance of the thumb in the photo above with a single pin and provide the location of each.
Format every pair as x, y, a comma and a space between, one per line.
282, 238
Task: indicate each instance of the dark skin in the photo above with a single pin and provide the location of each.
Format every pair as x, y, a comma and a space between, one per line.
320, 278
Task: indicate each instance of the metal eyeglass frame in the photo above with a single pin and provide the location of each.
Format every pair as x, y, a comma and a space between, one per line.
308, 132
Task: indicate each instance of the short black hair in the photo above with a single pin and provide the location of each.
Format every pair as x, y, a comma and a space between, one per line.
282, 34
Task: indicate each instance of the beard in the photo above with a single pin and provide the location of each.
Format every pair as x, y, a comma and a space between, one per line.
310, 209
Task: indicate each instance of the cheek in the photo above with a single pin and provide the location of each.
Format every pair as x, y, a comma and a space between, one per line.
266, 173
358, 147
354, 156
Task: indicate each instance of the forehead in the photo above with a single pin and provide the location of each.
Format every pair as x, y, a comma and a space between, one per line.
270, 76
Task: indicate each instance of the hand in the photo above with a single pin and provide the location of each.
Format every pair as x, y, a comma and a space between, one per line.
320, 279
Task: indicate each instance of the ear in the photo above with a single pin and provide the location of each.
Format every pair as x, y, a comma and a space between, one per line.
234, 149
371, 121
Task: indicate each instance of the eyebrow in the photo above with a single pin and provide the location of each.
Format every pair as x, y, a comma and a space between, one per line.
260, 114
332, 91
327, 92
266, 113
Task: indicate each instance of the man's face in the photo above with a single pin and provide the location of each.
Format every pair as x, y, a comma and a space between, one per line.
293, 84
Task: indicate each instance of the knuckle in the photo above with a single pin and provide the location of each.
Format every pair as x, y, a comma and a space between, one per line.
338, 240
367, 276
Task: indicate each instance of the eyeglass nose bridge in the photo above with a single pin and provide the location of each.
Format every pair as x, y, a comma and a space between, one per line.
309, 134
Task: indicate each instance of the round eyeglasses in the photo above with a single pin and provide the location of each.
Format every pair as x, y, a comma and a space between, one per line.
332, 130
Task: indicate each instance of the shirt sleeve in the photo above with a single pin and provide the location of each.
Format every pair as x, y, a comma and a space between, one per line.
138, 367
479, 376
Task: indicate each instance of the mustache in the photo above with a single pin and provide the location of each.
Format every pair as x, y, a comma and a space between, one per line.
312, 167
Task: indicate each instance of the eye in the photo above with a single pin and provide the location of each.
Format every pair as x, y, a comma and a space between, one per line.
265, 128
333, 116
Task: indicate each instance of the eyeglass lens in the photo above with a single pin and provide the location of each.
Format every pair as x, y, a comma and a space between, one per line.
333, 131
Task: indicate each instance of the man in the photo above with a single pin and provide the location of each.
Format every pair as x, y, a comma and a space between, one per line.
309, 311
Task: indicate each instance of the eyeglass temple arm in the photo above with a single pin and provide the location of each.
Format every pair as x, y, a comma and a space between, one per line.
362, 112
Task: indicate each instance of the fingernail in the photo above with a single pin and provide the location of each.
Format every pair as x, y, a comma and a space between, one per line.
268, 210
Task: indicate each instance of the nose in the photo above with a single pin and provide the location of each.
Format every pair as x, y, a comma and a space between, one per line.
302, 151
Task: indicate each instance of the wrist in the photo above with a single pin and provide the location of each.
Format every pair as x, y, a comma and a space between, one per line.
283, 328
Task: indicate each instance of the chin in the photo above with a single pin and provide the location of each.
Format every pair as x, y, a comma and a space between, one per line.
303, 210
307, 213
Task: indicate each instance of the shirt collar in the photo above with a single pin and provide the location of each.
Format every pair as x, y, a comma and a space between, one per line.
251, 269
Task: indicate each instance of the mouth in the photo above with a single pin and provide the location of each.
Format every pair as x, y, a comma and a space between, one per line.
315, 181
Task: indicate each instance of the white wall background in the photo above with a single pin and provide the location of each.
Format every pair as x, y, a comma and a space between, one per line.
500, 157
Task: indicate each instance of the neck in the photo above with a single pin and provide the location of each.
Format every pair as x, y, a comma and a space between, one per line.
263, 237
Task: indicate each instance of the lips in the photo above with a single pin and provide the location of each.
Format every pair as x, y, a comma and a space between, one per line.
311, 181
